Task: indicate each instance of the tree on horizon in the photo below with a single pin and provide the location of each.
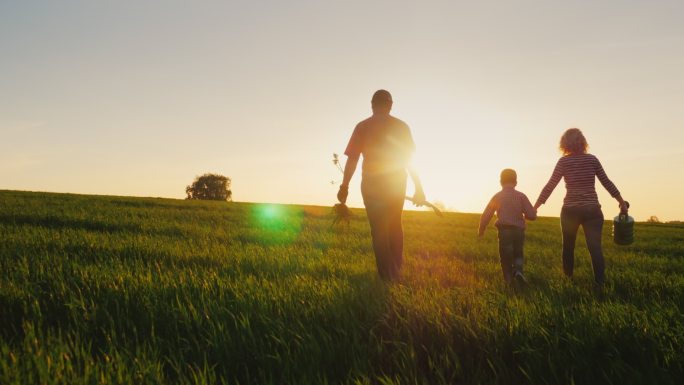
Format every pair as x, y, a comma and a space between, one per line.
209, 186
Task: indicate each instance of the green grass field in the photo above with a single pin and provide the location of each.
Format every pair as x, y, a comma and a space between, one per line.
97, 289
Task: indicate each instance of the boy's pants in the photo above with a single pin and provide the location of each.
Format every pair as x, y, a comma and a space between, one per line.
511, 240
383, 197
591, 219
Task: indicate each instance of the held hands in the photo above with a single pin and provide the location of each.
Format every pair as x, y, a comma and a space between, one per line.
342, 194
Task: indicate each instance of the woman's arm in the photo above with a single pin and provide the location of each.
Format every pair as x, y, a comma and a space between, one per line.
550, 185
609, 186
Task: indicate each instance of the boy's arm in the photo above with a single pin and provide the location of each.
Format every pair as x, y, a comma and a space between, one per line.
528, 210
487, 215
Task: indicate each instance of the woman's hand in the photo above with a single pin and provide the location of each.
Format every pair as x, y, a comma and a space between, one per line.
624, 205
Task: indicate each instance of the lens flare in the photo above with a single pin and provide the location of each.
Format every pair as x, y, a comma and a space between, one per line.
276, 224
269, 213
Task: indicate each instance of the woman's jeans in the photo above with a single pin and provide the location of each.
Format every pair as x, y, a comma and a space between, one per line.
591, 219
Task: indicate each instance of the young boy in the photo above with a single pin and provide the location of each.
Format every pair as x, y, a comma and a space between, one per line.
512, 208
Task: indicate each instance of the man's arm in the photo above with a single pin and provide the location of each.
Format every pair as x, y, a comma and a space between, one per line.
349, 169
419, 195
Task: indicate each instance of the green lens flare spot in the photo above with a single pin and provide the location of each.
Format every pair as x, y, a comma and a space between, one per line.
276, 224
269, 213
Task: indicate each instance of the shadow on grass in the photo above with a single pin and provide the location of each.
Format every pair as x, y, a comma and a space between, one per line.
68, 223
251, 333
55, 222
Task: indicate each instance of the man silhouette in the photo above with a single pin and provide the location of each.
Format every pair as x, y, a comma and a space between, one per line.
387, 146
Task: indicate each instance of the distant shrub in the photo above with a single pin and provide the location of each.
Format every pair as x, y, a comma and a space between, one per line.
653, 219
210, 187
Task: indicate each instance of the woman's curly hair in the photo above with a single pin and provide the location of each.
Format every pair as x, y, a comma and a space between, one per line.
573, 142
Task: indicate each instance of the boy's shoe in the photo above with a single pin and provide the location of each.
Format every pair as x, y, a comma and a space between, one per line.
520, 278
598, 286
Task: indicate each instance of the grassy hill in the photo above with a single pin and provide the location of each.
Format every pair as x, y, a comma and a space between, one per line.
98, 289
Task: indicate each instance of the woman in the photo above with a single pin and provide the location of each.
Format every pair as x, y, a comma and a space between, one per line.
581, 205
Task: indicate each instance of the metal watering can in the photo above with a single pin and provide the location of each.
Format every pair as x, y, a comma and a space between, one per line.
623, 228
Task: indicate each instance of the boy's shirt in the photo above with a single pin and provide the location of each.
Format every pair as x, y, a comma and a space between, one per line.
512, 208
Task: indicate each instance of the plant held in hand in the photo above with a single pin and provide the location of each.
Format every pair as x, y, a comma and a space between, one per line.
340, 210
342, 214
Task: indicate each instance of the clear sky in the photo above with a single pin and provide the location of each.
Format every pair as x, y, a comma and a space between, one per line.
139, 97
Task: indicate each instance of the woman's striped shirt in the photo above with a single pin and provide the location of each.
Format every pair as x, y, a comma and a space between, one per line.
579, 172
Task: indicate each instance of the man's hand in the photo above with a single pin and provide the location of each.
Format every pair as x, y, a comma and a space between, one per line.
537, 205
418, 198
342, 193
